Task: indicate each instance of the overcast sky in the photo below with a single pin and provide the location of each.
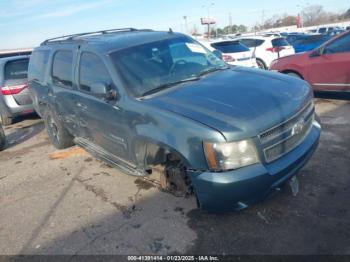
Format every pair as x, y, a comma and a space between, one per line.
26, 23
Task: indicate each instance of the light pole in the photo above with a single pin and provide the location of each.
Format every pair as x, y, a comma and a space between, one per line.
186, 28
208, 15
230, 23
301, 7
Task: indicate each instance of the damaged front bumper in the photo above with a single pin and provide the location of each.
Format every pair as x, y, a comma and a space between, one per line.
237, 189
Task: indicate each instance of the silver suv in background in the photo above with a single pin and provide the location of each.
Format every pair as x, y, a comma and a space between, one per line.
14, 94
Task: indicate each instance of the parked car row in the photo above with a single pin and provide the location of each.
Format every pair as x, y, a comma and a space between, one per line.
326, 68
330, 30
252, 51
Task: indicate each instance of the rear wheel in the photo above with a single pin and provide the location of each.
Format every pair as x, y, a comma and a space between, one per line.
293, 74
261, 64
6, 121
2, 138
58, 134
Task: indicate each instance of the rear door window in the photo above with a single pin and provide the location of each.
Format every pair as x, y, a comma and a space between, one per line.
37, 65
322, 30
339, 45
230, 47
62, 69
309, 39
17, 69
92, 70
277, 42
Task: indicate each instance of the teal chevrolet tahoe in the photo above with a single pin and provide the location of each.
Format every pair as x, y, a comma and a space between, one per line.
162, 106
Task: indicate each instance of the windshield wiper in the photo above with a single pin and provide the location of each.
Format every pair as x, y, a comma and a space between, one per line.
211, 70
167, 85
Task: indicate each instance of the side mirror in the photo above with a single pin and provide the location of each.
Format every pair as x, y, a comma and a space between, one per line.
103, 90
217, 53
316, 52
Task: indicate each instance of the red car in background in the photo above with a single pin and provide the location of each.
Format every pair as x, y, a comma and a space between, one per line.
326, 68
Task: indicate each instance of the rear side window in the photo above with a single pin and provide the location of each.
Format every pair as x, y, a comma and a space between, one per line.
311, 39
37, 65
252, 42
62, 69
16, 69
230, 47
322, 30
279, 42
92, 70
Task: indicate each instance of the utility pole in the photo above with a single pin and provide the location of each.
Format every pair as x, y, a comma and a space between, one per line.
230, 23
186, 28
208, 16
262, 18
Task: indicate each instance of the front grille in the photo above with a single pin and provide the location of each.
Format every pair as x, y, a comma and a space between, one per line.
283, 138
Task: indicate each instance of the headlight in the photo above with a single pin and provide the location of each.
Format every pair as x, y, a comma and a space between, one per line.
232, 155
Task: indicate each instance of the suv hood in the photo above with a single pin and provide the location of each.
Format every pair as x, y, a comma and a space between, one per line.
238, 102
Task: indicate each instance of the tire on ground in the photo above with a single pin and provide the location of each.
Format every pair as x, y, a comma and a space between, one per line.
2, 138
58, 134
293, 74
5, 121
261, 64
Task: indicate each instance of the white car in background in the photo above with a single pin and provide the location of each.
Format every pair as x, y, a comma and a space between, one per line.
267, 48
233, 52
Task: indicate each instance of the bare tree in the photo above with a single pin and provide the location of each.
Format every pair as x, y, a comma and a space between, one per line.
315, 15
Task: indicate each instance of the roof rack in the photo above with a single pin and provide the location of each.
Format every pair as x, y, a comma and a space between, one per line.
74, 36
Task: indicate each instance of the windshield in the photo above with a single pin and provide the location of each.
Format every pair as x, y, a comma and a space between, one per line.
163, 63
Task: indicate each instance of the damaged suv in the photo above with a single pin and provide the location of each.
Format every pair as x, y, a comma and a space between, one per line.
161, 106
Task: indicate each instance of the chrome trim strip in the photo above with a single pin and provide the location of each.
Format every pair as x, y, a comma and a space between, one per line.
289, 119
331, 84
281, 141
290, 149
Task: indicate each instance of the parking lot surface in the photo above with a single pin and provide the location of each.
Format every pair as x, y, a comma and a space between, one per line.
54, 202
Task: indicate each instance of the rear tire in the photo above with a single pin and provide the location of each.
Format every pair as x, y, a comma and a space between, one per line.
261, 64
2, 138
58, 134
6, 121
294, 75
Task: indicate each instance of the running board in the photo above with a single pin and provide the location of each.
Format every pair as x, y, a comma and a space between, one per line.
113, 160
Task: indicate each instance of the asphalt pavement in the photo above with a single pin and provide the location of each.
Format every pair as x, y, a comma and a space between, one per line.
71, 203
